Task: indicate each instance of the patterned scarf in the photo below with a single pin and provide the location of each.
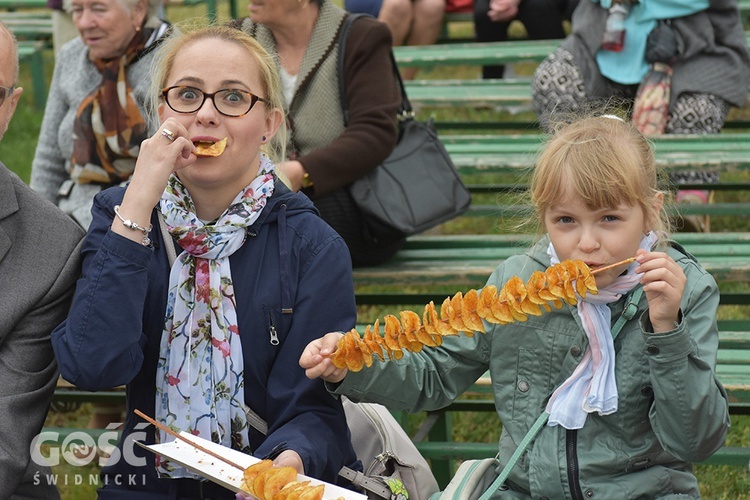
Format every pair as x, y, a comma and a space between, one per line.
108, 128
199, 376
592, 386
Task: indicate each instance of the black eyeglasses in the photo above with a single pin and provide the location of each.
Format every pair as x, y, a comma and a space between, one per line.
228, 102
6, 92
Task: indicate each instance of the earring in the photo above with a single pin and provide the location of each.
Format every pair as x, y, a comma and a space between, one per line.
263, 138
137, 29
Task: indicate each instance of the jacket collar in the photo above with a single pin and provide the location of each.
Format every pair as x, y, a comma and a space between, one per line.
8, 205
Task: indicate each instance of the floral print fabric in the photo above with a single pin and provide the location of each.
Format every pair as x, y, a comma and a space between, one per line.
199, 377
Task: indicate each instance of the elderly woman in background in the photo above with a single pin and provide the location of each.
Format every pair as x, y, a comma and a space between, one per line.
325, 156
93, 124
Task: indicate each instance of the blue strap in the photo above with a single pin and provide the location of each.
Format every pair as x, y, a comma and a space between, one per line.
628, 313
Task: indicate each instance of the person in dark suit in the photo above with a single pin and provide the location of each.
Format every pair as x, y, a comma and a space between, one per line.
39, 265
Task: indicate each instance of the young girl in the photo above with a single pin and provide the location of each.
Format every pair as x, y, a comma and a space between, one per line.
627, 416
257, 272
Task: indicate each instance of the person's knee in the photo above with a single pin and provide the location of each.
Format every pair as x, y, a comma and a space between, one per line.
430, 10
557, 86
396, 9
694, 113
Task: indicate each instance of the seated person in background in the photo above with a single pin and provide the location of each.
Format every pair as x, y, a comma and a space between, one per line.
89, 138
324, 156
710, 70
412, 22
258, 275
621, 385
543, 19
63, 29
371, 7
39, 263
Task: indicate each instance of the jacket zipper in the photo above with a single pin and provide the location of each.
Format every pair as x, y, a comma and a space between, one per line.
272, 331
571, 453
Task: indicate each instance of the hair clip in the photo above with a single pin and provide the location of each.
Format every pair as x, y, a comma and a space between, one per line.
613, 117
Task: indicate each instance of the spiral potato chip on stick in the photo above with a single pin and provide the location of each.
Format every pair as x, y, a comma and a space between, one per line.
463, 313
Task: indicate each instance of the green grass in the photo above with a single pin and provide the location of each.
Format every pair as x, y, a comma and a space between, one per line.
717, 482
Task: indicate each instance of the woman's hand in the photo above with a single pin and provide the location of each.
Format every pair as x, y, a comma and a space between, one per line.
294, 172
316, 362
167, 151
159, 157
664, 283
503, 10
290, 458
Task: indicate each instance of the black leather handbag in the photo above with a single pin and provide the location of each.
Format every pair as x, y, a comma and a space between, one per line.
417, 187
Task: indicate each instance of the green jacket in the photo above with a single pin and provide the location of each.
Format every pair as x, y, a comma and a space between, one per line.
672, 408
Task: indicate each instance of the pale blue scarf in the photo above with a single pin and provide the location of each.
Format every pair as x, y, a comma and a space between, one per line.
592, 386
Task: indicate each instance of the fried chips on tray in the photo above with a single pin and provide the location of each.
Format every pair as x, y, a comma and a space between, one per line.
268, 482
463, 313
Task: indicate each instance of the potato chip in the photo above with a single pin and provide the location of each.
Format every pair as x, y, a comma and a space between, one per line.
277, 480
313, 493
206, 148
252, 471
292, 490
260, 482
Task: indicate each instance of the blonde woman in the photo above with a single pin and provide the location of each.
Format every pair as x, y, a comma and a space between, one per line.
257, 276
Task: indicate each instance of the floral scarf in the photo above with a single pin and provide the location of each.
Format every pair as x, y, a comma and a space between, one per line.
108, 128
592, 386
199, 375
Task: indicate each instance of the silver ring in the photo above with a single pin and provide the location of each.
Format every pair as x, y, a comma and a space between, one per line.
168, 134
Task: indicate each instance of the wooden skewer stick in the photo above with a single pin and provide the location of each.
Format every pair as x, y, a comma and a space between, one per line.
183, 438
610, 266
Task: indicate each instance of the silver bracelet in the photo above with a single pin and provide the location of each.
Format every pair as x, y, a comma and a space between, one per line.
146, 241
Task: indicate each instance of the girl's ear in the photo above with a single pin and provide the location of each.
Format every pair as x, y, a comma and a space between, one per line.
656, 205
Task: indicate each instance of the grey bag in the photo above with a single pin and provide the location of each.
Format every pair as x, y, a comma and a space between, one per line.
471, 480
387, 453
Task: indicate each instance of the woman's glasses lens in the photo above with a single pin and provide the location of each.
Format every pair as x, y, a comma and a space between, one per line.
229, 102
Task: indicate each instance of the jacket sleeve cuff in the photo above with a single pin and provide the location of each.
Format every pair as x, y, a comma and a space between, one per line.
666, 347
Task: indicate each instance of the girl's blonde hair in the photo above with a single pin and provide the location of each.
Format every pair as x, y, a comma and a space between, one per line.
604, 161
185, 35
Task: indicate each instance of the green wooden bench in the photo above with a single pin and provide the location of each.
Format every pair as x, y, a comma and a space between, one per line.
35, 25
30, 52
510, 94
487, 155
499, 94
13, 5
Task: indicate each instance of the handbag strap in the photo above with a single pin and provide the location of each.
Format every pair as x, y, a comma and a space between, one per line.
406, 110
628, 313
167, 238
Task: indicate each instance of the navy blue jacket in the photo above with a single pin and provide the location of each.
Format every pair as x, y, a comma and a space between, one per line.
292, 276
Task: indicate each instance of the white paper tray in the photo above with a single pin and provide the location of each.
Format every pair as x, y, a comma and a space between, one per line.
224, 474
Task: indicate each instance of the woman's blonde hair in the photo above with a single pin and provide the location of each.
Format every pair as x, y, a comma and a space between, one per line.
185, 35
604, 161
